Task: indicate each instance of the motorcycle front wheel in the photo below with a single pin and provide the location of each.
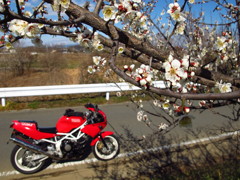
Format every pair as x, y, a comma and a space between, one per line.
108, 149
26, 161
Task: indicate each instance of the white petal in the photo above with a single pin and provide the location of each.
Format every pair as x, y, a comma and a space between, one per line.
176, 64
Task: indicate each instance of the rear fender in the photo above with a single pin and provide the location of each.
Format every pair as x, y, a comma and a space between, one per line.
30, 129
98, 138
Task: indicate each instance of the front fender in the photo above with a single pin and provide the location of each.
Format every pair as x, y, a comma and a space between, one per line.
98, 138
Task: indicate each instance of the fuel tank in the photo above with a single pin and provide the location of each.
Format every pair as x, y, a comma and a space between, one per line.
66, 123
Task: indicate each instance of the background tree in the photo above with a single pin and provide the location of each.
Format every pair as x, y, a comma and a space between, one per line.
197, 59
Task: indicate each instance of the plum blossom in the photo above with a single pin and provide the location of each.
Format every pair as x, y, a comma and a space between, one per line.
202, 103
18, 26
175, 12
185, 62
221, 43
23, 28
174, 72
180, 28
181, 109
27, 13
156, 103
120, 50
166, 105
177, 16
86, 34
97, 45
109, 12
61, 5
91, 69
173, 7
98, 60
140, 115
144, 75
134, 21
32, 30
224, 87
98, 63
162, 126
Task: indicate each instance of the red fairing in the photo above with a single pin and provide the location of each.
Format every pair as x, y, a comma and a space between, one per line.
104, 116
103, 134
65, 124
30, 129
94, 129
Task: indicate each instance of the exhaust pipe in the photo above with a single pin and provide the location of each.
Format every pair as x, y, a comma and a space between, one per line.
32, 147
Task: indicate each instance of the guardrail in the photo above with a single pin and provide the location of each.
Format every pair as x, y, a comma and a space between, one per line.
69, 89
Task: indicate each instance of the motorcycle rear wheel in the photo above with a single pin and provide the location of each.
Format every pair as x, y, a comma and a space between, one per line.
104, 153
26, 161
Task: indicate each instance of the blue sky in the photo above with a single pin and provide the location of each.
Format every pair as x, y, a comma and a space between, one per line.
210, 16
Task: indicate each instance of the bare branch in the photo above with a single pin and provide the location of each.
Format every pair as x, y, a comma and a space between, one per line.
98, 7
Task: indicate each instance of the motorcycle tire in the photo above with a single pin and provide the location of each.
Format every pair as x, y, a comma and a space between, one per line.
106, 153
21, 160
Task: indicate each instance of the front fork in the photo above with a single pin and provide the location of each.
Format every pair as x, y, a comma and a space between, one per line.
103, 141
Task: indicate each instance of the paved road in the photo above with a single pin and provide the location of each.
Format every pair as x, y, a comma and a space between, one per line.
119, 116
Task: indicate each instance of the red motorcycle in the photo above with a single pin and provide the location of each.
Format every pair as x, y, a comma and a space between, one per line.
74, 136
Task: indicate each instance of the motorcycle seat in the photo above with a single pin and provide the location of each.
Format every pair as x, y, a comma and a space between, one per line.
52, 130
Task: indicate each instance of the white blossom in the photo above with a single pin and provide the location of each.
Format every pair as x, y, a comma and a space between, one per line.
32, 30
221, 43
224, 87
120, 50
178, 16
173, 7
96, 60
60, 5
91, 69
180, 28
140, 115
166, 105
18, 26
174, 71
109, 12
162, 126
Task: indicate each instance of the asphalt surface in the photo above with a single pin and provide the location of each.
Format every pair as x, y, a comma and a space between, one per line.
120, 117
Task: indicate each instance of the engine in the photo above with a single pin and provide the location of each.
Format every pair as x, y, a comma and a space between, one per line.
75, 149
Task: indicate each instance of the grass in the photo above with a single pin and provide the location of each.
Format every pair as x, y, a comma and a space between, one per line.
63, 101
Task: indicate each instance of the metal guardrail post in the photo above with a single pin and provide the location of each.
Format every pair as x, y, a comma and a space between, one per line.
3, 101
107, 96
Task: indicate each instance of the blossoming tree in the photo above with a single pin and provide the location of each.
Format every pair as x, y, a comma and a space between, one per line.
198, 60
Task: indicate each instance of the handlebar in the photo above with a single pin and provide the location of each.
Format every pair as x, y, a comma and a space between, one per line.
92, 107
94, 115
